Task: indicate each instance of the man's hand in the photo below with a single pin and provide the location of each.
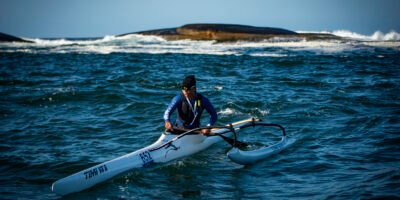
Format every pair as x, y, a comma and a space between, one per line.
205, 131
168, 125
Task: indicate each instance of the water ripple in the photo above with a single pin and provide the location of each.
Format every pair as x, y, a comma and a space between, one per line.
61, 113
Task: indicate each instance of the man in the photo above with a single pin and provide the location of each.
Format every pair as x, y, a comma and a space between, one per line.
190, 106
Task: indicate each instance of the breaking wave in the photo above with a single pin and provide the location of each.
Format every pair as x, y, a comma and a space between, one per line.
376, 36
134, 43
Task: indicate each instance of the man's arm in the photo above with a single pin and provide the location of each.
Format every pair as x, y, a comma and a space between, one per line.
210, 109
171, 108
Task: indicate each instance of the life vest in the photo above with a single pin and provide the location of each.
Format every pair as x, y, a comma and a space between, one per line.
189, 114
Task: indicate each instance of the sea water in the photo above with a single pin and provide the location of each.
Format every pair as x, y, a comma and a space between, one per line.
69, 104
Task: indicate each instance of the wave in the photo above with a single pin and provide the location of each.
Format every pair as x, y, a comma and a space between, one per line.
232, 111
376, 36
227, 111
134, 43
63, 41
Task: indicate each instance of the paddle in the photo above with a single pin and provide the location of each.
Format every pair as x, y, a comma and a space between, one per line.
233, 142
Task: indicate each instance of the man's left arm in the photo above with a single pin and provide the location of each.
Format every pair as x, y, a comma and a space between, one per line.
211, 110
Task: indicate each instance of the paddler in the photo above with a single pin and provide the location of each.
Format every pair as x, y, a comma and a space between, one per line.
190, 105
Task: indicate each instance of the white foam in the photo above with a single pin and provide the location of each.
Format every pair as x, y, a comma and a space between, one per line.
391, 44
263, 112
268, 55
227, 111
134, 43
376, 36
219, 88
63, 41
391, 36
349, 34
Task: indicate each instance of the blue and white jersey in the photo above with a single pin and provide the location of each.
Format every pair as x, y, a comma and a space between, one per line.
190, 111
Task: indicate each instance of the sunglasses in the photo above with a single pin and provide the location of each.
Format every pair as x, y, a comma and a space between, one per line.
187, 89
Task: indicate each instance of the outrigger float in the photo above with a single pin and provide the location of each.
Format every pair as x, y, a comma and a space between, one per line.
170, 147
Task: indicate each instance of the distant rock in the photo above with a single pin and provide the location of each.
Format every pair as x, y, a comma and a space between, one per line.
167, 31
10, 38
232, 28
230, 32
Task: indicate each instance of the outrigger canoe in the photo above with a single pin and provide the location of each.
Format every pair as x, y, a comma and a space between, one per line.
167, 148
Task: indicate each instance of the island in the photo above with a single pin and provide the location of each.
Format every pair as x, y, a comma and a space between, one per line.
218, 33
9, 38
230, 32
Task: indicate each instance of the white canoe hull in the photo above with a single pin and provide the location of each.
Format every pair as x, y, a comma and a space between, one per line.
182, 147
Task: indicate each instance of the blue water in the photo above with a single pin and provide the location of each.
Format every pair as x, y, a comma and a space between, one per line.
66, 105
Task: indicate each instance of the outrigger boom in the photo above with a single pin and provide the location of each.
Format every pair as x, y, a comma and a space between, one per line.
167, 148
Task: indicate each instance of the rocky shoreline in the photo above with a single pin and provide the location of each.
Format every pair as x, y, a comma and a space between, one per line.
231, 33
10, 38
216, 32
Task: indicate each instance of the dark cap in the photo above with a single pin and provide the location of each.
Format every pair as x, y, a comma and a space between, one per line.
188, 82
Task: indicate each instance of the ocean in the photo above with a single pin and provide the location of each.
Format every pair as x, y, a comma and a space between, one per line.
69, 104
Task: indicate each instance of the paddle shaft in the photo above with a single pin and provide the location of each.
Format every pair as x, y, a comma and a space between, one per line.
233, 142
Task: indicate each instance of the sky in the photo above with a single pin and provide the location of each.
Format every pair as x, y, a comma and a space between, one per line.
98, 18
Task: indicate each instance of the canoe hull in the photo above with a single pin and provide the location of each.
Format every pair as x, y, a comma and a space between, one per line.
185, 146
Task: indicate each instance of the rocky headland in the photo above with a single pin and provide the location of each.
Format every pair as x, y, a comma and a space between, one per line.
216, 32
10, 38
231, 32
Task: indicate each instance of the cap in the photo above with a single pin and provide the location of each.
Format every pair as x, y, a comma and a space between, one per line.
188, 82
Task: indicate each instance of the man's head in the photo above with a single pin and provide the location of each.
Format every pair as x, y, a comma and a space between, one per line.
189, 86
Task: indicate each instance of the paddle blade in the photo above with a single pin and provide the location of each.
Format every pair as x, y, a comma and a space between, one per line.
234, 143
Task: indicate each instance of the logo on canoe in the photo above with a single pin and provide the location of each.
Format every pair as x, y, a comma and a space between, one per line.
171, 147
95, 171
146, 158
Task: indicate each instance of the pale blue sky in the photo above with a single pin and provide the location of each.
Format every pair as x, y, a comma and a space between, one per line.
97, 18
